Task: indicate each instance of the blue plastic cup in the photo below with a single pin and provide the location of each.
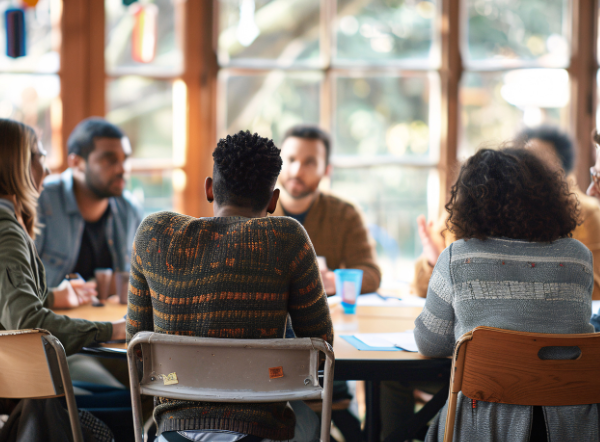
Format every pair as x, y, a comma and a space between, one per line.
348, 283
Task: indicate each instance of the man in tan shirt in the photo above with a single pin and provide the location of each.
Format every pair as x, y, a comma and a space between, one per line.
556, 149
334, 226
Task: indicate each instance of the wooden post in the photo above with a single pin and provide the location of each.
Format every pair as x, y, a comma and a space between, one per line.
200, 78
82, 64
583, 69
450, 73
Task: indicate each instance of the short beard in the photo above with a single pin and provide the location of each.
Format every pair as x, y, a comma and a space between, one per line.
100, 192
302, 195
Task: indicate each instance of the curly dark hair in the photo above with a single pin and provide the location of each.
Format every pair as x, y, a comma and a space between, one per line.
511, 193
245, 170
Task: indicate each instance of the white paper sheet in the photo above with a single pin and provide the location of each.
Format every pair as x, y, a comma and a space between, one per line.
374, 300
404, 340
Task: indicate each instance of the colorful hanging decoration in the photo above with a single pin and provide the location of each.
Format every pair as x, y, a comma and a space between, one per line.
14, 21
30, 3
144, 35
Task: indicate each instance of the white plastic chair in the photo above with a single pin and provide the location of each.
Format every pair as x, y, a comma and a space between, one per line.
229, 370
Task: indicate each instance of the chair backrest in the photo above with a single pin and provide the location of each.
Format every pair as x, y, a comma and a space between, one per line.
520, 368
229, 370
34, 365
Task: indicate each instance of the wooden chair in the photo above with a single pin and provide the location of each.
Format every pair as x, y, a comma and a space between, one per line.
229, 370
34, 366
510, 367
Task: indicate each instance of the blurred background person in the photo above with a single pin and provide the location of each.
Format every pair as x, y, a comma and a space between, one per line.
88, 219
335, 227
507, 209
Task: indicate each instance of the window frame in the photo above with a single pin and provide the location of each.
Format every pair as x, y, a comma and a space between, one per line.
83, 79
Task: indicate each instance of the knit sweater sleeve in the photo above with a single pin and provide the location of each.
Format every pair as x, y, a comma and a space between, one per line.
139, 305
434, 328
307, 305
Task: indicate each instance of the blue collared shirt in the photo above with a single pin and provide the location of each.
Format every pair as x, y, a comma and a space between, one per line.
62, 228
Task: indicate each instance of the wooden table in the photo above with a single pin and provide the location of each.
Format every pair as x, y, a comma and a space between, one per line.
350, 363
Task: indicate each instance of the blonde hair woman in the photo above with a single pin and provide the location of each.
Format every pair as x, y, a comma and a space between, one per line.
23, 292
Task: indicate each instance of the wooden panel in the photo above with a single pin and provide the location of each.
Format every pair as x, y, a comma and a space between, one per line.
200, 77
583, 70
503, 366
24, 367
450, 73
82, 63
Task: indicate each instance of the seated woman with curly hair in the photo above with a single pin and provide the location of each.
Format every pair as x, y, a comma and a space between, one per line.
235, 275
514, 267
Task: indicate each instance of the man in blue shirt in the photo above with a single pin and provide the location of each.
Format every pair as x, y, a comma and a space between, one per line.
88, 219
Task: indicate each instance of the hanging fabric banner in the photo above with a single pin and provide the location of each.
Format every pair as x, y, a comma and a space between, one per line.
30, 3
144, 35
14, 21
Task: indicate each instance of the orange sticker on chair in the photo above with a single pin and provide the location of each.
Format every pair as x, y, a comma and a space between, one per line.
275, 372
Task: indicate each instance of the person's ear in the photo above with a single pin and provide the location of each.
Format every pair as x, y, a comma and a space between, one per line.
273, 203
208, 188
329, 170
75, 161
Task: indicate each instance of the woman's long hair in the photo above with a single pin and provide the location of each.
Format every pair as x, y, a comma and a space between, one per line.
18, 143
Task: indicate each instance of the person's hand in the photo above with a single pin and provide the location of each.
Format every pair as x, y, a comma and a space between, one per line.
85, 291
118, 330
430, 249
65, 296
328, 281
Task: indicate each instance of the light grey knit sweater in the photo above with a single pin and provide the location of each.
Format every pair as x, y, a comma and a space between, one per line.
514, 285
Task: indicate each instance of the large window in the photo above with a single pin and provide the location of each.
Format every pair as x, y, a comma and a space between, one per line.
30, 85
143, 61
407, 89
366, 72
516, 54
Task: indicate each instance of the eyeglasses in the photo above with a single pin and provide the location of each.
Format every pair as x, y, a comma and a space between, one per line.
595, 177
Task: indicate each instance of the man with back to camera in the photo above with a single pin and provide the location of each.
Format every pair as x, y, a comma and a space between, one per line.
334, 226
89, 220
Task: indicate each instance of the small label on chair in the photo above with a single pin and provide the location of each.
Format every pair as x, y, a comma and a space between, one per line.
170, 379
275, 372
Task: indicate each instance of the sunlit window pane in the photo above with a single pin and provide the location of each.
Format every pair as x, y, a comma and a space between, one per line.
43, 38
120, 29
495, 106
384, 115
515, 29
282, 31
270, 104
384, 30
33, 100
143, 108
391, 198
153, 190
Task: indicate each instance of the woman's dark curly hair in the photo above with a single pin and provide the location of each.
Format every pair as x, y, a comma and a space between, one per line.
513, 194
245, 170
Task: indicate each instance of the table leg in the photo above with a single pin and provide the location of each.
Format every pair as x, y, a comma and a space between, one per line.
373, 418
419, 420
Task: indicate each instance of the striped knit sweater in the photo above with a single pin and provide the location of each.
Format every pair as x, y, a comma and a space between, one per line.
514, 285
229, 277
